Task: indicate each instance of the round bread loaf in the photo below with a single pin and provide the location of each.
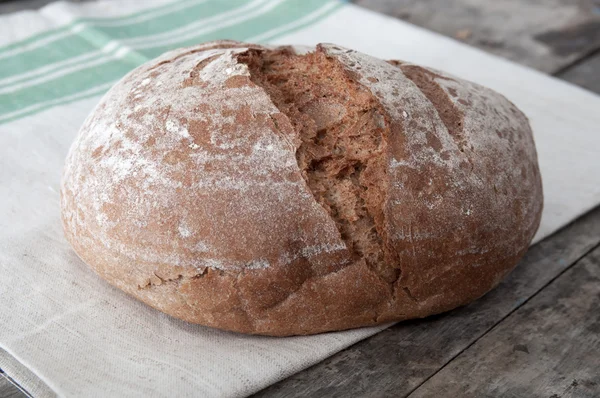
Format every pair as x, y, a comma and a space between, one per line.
265, 191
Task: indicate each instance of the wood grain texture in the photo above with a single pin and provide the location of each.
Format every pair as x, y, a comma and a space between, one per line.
550, 347
585, 74
397, 360
544, 34
7, 7
8, 389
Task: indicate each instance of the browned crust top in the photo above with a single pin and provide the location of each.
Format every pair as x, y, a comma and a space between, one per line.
183, 189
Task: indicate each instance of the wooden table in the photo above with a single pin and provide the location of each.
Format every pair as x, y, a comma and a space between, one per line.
538, 333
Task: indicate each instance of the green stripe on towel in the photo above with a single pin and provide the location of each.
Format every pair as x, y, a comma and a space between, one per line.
95, 75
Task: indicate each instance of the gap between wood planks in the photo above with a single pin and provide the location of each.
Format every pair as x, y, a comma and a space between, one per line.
495, 325
550, 347
585, 58
9, 388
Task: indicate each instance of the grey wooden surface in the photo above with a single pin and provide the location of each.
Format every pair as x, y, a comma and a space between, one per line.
537, 334
585, 74
547, 35
8, 389
549, 347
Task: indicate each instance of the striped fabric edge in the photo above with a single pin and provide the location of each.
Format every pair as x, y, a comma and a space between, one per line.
81, 38
116, 21
69, 80
80, 77
327, 8
104, 46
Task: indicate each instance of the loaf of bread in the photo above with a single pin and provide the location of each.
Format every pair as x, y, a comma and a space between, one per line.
270, 191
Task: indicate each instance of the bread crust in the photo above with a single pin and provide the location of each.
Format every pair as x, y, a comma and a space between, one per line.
183, 190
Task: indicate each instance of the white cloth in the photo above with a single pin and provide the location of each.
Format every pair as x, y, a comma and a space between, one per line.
67, 332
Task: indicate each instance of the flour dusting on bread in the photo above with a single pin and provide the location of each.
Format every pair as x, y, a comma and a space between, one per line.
264, 190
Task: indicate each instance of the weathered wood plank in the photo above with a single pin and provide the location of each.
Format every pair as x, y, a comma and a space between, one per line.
544, 34
550, 347
397, 360
9, 6
8, 389
585, 74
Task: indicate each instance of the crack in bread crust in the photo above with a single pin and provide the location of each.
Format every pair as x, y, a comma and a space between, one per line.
342, 148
